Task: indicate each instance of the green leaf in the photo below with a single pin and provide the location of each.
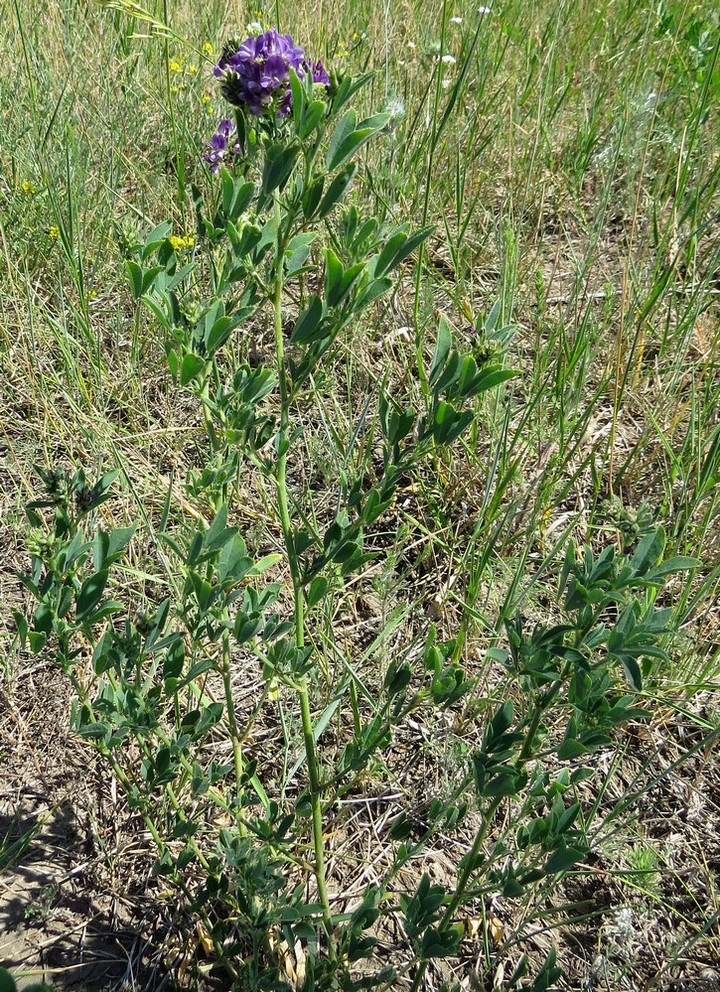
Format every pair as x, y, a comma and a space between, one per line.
218, 334
347, 89
512, 889
156, 237
348, 142
279, 163
333, 276
632, 669
680, 563
90, 594
118, 542
174, 660
135, 275
487, 379
103, 484
313, 116
503, 783
7, 982
192, 366
309, 323
397, 679
563, 859
311, 197
317, 591
448, 374
401, 827
297, 251
107, 548
37, 641
298, 100
389, 260
443, 345
236, 195
466, 375
162, 315
383, 263
199, 668
649, 551
376, 289
21, 626
264, 563
149, 277
449, 423
233, 564
413, 242
437, 943
344, 127
250, 238
335, 191
108, 609
218, 533
570, 749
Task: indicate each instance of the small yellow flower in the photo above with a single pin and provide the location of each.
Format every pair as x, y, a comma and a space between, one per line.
205, 98
28, 188
180, 241
207, 48
175, 67
54, 231
192, 69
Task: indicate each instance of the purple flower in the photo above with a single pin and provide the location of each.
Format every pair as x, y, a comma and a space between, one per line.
220, 151
318, 72
256, 73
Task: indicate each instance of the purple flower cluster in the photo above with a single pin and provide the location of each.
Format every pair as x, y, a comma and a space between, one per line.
256, 73
220, 149
318, 72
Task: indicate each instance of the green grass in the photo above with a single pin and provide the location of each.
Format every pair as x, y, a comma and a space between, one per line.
570, 158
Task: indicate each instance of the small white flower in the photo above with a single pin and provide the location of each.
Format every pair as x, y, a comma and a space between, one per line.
456, 20
411, 45
448, 59
484, 10
254, 27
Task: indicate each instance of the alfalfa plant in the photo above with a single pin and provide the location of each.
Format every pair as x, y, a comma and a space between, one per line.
156, 691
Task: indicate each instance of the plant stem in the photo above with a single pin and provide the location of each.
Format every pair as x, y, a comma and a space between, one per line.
207, 418
298, 595
179, 164
232, 722
462, 883
424, 383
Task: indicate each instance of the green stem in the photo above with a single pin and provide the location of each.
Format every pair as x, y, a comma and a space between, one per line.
424, 382
462, 884
540, 707
179, 154
232, 722
298, 595
207, 418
